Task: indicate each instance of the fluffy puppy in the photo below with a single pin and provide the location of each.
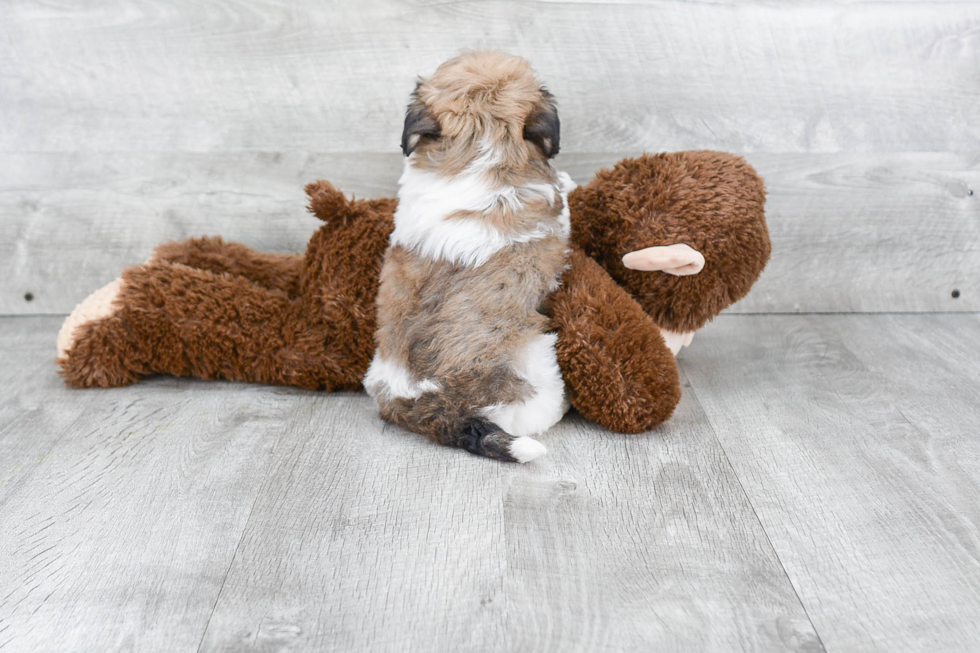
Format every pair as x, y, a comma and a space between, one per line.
480, 240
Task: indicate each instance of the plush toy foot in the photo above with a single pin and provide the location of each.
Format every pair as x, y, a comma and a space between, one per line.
94, 307
92, 352
680, 260
675, 340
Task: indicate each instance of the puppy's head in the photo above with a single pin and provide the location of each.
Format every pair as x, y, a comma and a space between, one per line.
481, 106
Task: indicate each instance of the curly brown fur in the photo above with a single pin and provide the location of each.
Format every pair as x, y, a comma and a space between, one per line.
712, 201
619, 372
147, 334
240, 315
212, 253
340, 272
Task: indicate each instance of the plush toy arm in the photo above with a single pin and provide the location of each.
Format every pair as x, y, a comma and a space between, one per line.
619, 371
212, 253
679, 260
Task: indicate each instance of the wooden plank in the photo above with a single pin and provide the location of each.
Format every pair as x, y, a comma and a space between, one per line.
940, 392
74, 221
860, 232
871, 232
299, 522
643, 543
287, 519
866, 488
31, 421
747, 75
126, 506
368, 538
373, 540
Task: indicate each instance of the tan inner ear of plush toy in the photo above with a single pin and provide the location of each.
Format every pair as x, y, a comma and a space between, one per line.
679, 259
94, 307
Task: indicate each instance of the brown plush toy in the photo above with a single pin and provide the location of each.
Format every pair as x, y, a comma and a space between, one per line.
697, 216
218, 310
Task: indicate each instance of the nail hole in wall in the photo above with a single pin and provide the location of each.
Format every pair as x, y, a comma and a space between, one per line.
956, 294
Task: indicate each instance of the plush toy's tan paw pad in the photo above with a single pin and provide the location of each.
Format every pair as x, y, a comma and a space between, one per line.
679, 259
94, 307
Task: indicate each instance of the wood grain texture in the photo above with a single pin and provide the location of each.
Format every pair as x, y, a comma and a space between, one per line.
367, 538
121, 510
178, 515
29, 427
643, 543
851, 232
870, 232
831, 458
371, 539
855, 440
747, 76
73, 222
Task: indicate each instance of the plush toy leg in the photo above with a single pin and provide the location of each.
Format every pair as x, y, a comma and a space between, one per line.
212, 309
619, 371
168, 318
212, 253
96, 306
92, 344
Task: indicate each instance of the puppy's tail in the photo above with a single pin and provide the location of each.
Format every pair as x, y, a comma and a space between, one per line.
480, 436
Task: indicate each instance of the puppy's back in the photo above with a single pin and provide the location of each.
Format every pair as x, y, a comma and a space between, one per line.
480, 240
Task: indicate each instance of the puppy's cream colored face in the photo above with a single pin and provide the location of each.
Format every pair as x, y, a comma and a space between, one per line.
483, 109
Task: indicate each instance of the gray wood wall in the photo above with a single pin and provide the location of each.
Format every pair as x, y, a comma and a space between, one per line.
130, 122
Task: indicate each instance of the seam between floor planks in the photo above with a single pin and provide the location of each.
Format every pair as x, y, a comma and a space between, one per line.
779, 459
231, 561
693, 396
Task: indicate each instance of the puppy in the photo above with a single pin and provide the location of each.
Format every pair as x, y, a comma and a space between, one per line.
480, 241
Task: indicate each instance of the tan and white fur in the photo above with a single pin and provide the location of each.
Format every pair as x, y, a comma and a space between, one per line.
480, 240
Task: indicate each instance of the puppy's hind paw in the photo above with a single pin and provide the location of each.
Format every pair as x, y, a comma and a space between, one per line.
525, 449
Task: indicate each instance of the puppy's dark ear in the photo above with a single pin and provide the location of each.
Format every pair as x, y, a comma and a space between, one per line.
543, 127
419, 124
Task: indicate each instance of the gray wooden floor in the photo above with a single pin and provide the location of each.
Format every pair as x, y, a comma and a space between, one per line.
817, 489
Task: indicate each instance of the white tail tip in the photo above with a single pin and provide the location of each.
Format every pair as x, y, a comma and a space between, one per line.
526, 449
